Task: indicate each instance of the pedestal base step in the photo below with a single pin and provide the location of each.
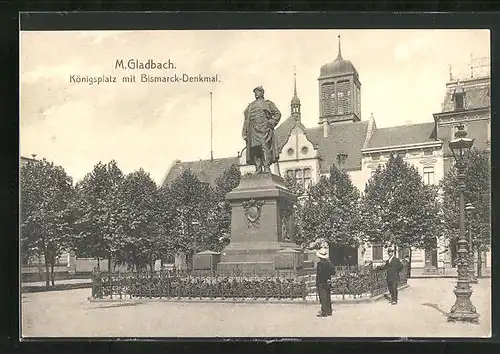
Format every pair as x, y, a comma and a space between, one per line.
463, 317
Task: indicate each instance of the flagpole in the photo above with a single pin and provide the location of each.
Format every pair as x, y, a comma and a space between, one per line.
211, 130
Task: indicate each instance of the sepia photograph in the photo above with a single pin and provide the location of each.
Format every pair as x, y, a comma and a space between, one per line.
255, 183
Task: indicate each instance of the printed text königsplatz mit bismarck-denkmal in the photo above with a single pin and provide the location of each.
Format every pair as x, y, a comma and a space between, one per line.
144, 78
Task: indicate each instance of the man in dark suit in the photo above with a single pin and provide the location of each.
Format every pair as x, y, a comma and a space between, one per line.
392, 266
324, 273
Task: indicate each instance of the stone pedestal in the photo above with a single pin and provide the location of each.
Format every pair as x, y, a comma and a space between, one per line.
261, 224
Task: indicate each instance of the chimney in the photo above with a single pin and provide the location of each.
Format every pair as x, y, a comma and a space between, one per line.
325, 128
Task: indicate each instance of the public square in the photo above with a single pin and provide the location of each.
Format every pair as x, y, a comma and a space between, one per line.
419, 313
299, 194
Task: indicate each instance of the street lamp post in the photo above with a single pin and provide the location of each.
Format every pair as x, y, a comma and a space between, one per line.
472, 272
462, 310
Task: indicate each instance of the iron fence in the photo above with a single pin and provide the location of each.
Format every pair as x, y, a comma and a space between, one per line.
354, 282
204, 284
349, 282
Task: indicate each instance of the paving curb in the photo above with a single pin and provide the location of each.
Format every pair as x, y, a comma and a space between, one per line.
240, 301
57, 287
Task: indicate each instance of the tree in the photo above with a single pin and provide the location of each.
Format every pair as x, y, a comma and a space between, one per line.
192, 202
294, 186
167, 211
102, 213
142, 220
331, 212
220, 212
478, 192
398, 209
46, 199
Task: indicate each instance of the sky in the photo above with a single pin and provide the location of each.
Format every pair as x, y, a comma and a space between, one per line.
403, 74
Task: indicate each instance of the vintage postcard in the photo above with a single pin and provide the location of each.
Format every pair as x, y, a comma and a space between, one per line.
255, 183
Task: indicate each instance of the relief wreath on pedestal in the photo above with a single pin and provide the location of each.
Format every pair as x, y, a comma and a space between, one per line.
252, 210
285, 228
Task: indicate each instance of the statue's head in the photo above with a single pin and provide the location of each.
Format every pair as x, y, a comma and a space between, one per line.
258, 91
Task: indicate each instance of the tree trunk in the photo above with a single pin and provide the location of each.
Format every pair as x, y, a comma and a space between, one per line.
109, 264
409, 265
47, 274
98, 264
52, 277
190, 261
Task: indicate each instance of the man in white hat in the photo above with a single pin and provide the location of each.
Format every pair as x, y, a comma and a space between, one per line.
324, 273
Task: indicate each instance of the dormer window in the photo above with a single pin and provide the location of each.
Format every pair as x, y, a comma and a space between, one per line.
459, 98
459, 101
341, 158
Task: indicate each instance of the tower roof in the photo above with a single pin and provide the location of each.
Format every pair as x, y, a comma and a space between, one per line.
338, 67
295, 98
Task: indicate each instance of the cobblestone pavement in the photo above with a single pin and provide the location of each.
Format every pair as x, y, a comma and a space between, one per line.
419, 313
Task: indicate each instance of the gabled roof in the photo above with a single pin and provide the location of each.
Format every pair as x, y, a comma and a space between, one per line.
206, 170
402, 135
284, 130
345, 138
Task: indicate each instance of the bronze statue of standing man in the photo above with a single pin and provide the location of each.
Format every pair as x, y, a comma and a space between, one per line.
261, 117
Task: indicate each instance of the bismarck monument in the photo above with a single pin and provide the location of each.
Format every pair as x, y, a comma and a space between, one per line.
262, 235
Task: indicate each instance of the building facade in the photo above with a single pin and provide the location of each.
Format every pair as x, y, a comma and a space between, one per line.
358, 146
